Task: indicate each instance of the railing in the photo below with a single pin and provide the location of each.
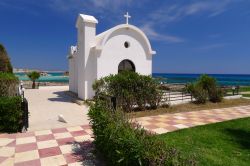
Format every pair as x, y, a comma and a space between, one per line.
231, 90
176, 96
25, 119
25, 109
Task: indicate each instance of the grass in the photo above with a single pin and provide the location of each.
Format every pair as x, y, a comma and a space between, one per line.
245, 89
242, 89
225, 143
191, 107
246, 95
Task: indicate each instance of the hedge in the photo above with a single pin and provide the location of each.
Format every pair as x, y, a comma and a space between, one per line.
124, 143
5, 64
10, 114
8, 84
205, 88
130, 89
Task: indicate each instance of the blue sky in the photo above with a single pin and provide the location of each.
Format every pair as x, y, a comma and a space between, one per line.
190, 36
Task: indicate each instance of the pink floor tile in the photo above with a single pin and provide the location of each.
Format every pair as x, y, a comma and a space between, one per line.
26, 147
29, 163
11, 136
86, 127
12, 144
151, 126
78, 133
47, 152
65, 141
59, 130
170, 128
2, 159
45, 137
22, 135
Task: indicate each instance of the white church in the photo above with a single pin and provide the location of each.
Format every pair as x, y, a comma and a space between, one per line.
123, 47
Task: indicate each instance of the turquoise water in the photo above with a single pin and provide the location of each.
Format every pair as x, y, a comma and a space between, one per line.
223, 79
52, 77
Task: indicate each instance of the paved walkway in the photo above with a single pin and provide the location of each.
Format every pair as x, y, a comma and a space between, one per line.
46, 103
70, 146
170, 122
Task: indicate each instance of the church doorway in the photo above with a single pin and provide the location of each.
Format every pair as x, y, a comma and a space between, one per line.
126, 65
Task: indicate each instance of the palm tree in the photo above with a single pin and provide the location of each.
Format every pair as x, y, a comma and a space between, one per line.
5, 65
33, 76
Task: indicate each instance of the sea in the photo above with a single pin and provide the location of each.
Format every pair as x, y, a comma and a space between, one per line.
171, 78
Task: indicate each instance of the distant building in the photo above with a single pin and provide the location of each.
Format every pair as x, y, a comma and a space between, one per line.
123, 47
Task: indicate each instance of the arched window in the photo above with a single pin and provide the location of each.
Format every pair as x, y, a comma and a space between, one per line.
126, 65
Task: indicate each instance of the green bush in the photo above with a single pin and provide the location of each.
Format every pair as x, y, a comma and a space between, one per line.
200, 95
209, 84
205, 88
5, 65
216, 95
10, 114
8, 84
124, 143
130, 90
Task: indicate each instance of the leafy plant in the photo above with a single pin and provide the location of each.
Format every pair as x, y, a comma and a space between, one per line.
34, 76
130, 89
122, 142
205, 89
216, 95
8, 84
10, 114
5, 65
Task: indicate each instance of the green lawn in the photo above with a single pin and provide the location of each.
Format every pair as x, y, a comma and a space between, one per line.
244, 89
225, 143
246, 95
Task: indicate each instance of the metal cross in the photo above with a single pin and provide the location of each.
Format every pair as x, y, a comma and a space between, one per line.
127, 16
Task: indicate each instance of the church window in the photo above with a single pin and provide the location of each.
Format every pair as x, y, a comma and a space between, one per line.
126, 65
126, 44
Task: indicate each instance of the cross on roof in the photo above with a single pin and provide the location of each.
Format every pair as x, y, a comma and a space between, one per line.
127, 16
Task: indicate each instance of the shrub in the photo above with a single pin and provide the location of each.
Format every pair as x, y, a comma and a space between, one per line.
205, 88
200, 95
209, 84
216, 95
10, 114
8, 84
197, 92
5, 65
123, 143
130, 90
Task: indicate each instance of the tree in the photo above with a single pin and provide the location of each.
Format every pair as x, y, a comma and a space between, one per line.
33, 76
5, 65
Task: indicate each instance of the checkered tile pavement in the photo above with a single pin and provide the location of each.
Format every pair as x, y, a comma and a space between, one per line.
170, 122
70, 146
73, 146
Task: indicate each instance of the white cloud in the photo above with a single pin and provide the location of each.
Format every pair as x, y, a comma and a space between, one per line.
177, 12
153, 35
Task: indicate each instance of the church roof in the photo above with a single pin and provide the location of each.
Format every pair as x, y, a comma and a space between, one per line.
103, 37
86, 18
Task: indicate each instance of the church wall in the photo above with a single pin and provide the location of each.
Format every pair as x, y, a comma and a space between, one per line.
114, 52
75, 76
71, 75
86, 61
80, 61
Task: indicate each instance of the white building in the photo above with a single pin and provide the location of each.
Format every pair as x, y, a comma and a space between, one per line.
123, 47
